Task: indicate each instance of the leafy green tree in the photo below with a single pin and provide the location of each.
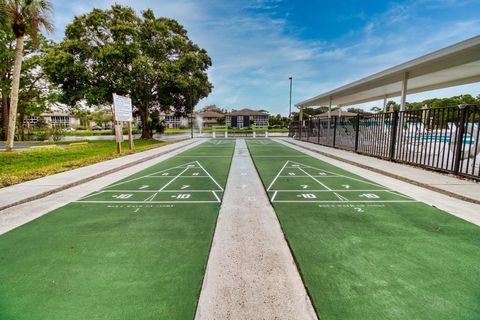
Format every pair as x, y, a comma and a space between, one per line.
101, 117
82, 114
35, 92
221, 120
392, 106
25, 17
278, 120
114, 51
3, 14
358, 111
214, 108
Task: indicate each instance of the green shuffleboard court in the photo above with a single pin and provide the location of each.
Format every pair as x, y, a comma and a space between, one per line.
136, 249
365, 251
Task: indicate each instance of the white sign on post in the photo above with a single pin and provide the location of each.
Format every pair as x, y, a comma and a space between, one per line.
122, 108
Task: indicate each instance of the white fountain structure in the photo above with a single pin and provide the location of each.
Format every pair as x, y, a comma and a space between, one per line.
199, 121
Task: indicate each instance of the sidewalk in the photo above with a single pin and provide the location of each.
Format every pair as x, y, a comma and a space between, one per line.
39, 188
250, 273
463, 189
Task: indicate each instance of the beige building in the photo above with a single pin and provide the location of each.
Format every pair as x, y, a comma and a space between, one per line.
245, 118
208, 118
56, 119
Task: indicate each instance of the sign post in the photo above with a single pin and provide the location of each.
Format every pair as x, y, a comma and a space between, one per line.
122, 112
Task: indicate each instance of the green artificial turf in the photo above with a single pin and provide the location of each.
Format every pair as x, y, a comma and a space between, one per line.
119, 260
373, 260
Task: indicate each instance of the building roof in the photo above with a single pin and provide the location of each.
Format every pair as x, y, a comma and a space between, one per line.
336, 113
210, 114
451, 66
247, 112
55, 114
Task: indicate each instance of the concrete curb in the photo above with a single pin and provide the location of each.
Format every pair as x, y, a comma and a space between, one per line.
389, 174
92, 177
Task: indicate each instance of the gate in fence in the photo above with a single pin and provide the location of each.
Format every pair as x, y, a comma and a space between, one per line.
445, 139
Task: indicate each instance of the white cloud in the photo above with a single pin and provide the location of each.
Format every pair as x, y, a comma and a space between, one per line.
255, 49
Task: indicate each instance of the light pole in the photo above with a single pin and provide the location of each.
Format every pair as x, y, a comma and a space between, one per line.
290, 103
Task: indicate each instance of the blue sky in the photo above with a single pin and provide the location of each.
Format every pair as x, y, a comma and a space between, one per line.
256, 45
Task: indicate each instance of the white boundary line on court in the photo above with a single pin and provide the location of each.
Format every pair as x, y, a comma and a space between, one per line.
185, 166
342, 199
274, 195
218, 199
276, 177
209, 175
347, 202
168, 183
148, 175
144, 202
339, 175
146, 191
295, 176
323, 190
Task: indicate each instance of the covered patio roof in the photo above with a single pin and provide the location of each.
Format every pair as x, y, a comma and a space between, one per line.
451, 66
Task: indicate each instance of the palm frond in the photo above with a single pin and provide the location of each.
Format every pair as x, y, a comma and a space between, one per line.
3, 14
29, 16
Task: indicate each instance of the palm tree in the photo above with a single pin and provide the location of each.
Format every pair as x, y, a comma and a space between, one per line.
25, 17
3, 13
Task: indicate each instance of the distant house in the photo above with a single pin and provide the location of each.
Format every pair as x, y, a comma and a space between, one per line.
245, 118
173, 121
208, 118
56, 119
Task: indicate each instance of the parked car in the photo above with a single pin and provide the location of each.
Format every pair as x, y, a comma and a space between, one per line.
96, 128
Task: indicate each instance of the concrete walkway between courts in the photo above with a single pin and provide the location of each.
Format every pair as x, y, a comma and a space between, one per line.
27, 201
456, 196
251, 273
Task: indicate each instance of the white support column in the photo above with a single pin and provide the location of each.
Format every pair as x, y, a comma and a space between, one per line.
300, 116
403, 98
330, 108
385, 104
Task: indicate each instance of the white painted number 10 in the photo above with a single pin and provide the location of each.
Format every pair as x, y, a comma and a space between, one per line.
369, 196
309, 196
183, 196
122, 196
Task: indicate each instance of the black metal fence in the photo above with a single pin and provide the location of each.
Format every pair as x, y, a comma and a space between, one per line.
445, 139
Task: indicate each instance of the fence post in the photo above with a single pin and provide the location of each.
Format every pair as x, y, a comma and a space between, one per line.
393, 134
357, 125
300, 124
309, 128
334, 130
459, 142
318, 130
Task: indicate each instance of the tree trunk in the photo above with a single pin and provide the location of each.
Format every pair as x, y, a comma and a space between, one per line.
146, 134
21, 128
4, 117
17, 69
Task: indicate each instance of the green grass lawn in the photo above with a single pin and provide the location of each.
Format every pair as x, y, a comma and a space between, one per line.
120, 260
370, 259
32, 163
